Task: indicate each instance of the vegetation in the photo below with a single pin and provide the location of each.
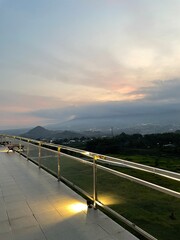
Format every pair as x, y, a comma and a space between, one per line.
166, 142
155, 212
165, 161
157, 150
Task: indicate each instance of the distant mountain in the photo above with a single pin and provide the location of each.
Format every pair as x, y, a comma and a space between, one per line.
43, 133
102, 117
38, 132
89, 124
67, 134
108, 126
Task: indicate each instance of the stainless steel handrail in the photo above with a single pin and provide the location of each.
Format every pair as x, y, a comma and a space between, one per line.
108, 159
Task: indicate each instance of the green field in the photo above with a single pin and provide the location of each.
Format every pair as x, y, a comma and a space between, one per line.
164, 161
153, 211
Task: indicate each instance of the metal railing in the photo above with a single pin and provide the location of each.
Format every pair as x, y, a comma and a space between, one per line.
140, 204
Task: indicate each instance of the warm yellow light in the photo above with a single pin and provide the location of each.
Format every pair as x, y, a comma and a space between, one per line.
86, 153
77, 207
4, 150
109, 200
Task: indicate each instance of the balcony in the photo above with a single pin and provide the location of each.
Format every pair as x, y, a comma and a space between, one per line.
37, 206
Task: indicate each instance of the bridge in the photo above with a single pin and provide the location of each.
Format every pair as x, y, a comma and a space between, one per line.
57, 192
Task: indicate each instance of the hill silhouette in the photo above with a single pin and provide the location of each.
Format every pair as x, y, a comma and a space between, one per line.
43, 133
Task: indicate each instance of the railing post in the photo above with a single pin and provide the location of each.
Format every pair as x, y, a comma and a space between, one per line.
39, 155
94, 181
28, 150
20, 145
59, 150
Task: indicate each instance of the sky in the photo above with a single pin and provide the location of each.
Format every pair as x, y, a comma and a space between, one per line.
65, 59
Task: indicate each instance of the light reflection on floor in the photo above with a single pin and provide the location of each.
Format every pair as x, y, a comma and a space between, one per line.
4, 149
77, 207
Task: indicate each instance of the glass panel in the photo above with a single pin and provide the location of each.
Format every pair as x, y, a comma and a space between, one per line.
49, 160
7, 140
77, 172
16, 141
13, 141
155, 212
149, 177
24, 148
33, 152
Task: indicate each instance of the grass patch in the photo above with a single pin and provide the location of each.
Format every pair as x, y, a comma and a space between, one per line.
155, 212
150, 177
170, 163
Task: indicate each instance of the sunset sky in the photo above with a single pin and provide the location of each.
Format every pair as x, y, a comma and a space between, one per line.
59, 57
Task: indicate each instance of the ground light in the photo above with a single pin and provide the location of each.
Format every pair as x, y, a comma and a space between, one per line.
77, 207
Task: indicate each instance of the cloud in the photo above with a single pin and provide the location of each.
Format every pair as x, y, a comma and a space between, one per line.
124, 53
161, 99
97, 69
12, 101
107, 110
15, 119
107, 58
162, 91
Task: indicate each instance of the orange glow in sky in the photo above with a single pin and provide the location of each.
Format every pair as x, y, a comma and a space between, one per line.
82, 53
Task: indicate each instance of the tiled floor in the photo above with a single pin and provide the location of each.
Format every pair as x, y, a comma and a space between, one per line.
34, 206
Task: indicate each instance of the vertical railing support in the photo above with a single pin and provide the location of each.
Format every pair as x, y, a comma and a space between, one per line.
14, 140
39, 155
59, 172
28, 150
7, 141
94, 181
20, 146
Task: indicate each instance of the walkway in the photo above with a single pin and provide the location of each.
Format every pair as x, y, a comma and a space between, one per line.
34, 206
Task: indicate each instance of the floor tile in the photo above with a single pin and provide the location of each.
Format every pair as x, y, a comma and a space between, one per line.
35, 206
31, 233
4, 226
23, 222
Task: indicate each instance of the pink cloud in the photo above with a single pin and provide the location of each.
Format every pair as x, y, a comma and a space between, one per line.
17, 102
